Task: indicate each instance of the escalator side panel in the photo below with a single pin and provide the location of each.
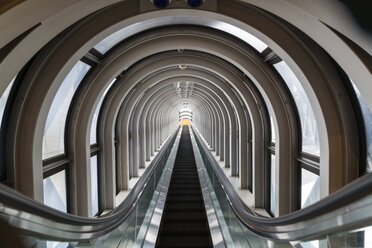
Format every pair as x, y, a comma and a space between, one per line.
184, 222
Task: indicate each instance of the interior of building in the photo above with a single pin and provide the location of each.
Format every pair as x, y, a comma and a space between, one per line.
185, 123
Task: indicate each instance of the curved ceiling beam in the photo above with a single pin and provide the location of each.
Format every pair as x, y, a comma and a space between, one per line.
240, 59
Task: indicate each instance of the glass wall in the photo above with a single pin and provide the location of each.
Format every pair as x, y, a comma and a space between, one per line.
310, 188
367, 118
94, 184
55, 191
4, 99
54, 132
272, 185
309, 128
93, 128
308, 158
273, 136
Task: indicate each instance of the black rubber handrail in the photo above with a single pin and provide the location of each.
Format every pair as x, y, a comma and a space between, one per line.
345, 209
30, 217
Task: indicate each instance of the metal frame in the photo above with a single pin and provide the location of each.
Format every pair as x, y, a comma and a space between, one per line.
344, 210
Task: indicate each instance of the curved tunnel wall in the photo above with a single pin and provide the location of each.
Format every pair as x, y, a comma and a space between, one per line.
237, 97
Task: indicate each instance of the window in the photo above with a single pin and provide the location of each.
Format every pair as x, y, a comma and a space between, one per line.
273, 136
310, 189
54, 132
367, 118
55, 191
272, 185
93, 128
4, 98
309, 128
94, 184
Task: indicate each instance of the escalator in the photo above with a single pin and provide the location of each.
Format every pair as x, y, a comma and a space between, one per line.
184, 222
184, 199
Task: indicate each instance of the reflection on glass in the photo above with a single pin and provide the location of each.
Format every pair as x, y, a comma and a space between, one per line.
368, 236
310, 189
273, 137
310, 244
360, 237
94, 184
54, 132
4, 99
367, 118
272, 185
55, 191
93, 128
352, 238
54, 244
309, 128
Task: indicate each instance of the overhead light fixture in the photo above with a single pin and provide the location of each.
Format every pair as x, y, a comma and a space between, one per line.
161, 4
183, 67
194, 3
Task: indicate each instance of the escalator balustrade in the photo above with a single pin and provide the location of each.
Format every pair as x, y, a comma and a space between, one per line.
184, 222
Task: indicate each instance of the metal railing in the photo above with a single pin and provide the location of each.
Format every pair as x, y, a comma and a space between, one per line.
33, 219
347, 209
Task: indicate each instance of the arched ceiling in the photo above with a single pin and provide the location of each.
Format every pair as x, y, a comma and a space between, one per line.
215, 60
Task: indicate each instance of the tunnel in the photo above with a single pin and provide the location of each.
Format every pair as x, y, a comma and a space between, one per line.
182, 123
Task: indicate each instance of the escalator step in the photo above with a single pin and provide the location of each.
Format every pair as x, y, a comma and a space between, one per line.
192, 228
184, 241
184, 206
184, 222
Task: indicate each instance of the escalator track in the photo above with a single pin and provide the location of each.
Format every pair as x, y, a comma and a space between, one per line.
184, 222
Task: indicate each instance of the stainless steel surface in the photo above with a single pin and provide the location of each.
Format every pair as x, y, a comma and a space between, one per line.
343, 210
152, 232
214, 226
32, 218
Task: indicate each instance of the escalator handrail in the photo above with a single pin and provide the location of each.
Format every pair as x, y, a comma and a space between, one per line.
25, 214
338, 212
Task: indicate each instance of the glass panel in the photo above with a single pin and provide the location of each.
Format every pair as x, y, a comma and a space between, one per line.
309, 128
357, 238
310, 189
235, 234
54, 132
55, 191
4, 99
367, 118
272, 185
368, 236
94, 184
353, 238
93, 128
133, 230
53, 244
310, 244
272, 125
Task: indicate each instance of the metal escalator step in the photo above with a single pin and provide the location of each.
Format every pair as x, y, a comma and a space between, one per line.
184, 206
184, 241
181, 198
190, 228
184, 222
